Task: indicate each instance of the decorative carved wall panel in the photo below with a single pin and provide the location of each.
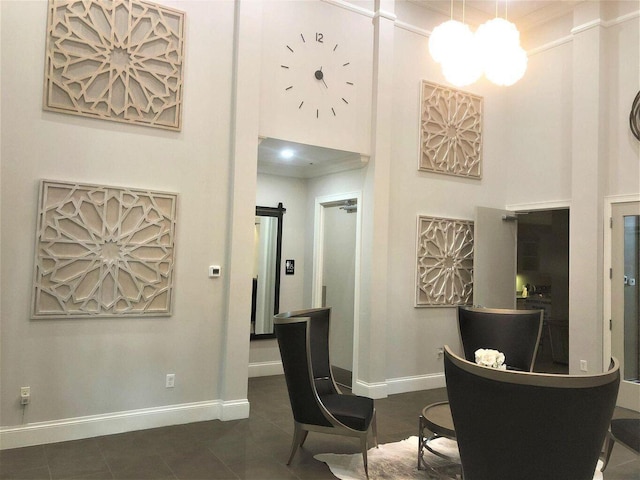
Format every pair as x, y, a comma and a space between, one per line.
119, 60
450, 131
103, 251
444, 273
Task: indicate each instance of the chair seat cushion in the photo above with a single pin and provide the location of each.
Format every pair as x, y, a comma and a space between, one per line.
627, 431
352, 410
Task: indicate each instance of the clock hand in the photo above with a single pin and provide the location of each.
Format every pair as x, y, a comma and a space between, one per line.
320, 76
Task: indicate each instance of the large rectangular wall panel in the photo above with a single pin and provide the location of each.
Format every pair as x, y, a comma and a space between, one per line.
103, 251
119, 60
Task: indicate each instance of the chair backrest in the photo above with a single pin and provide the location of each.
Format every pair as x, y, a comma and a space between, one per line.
516, 333
526, 425
303, 340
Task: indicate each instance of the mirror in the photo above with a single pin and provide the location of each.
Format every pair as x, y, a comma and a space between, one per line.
267, 254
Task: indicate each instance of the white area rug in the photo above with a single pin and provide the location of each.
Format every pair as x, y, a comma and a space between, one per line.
394, 461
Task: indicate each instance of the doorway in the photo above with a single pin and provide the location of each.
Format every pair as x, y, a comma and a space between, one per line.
533, 246
542, 281
625, 299
336, 263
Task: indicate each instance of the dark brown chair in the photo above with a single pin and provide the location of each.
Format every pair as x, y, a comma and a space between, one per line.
516, 333
528, 426
625, 431
316, 402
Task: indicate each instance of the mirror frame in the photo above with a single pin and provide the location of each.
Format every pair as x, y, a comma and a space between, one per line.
277, 212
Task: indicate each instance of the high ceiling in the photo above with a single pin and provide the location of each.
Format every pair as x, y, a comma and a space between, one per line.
525, 13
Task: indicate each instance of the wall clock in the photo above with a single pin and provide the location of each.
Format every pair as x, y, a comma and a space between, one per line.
318, 75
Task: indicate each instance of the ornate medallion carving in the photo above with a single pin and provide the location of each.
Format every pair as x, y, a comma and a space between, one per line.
103, 251
450, 131
444, 273
119, 60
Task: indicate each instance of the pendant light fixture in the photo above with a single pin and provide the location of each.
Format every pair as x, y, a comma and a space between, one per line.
452, 45
503, 59
493, 50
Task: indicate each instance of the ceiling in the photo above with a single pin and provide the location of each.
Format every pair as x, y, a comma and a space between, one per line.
307, 161
525, 13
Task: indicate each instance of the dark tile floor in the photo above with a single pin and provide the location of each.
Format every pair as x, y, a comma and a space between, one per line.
254, 448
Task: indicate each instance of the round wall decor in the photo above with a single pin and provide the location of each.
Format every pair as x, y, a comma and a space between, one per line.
634, 117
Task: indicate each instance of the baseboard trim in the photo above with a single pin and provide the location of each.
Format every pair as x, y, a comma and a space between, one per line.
108, 424
371, 390
265, 369
416, 383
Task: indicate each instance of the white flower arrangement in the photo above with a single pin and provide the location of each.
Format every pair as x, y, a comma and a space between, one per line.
490, 358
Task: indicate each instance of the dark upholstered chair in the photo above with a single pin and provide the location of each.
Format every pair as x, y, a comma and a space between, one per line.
625, 431
316, 402
516, 333
528, 426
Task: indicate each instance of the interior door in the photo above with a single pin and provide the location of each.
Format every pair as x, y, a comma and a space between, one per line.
336, 258
625, 299
494, 258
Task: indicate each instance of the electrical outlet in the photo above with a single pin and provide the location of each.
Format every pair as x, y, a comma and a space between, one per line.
583, 365
25, 395
171, 380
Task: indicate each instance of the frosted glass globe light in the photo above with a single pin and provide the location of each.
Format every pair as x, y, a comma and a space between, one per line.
446, 38
464, 67
497, 34
504, 61
506, 68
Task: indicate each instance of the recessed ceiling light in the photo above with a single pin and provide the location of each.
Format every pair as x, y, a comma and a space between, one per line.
286, 153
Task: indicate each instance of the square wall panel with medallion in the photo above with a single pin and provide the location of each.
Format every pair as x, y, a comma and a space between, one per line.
103, 251
444, 266
118, 60
450, 131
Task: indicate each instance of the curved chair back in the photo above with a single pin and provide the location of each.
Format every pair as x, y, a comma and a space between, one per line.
528, 425
303, 360
516, 333
316, 401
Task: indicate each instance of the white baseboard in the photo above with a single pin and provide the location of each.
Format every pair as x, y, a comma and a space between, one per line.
371, 390
108, 424
416, 383
265, 369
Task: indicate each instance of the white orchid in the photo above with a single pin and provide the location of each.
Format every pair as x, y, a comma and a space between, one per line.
490, 358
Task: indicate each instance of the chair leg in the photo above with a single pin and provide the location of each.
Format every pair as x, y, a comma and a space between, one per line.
374, 428
299, 436
608, 447
363, 447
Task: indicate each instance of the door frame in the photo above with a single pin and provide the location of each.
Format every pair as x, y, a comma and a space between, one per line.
318, 259
610, 201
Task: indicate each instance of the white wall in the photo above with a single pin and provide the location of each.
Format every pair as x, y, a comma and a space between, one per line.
86, 367
264, 356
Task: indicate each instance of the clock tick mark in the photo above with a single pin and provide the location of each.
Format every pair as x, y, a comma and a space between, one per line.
334, 48
345, 101
300, 106
290, 49
345, 64
350, 83
317, 113
303, 40
334, 112
289, 87
284, 66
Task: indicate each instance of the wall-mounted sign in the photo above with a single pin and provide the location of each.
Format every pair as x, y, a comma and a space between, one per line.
289, 267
